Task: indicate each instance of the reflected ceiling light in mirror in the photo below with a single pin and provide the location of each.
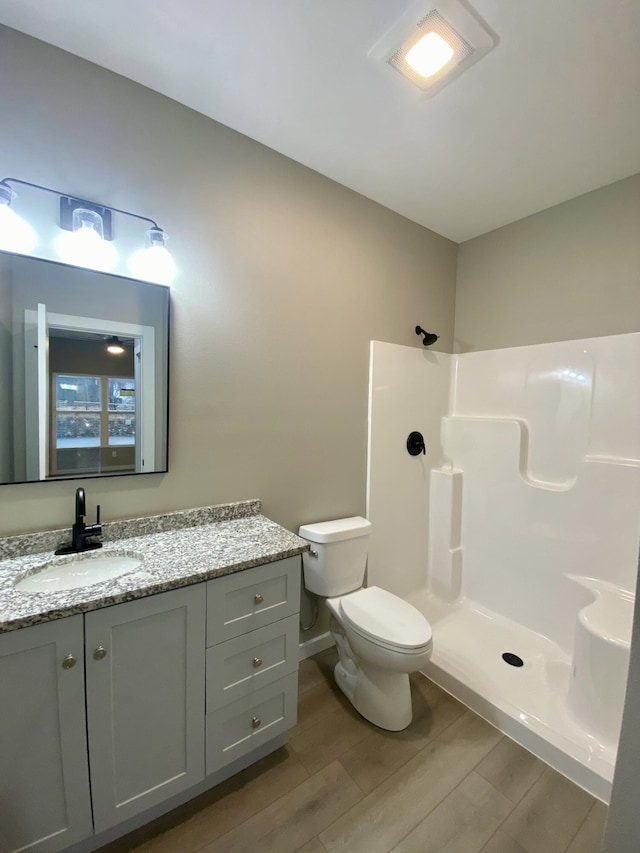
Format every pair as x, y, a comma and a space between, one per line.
114, 345
85, 244
87, 237
154, 262
16, 235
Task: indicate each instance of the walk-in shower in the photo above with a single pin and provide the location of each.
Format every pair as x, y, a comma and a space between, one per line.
517, 533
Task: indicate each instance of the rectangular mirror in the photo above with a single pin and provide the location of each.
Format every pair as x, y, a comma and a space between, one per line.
84, 372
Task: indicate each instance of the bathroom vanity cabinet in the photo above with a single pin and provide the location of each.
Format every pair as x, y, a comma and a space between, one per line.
178, 686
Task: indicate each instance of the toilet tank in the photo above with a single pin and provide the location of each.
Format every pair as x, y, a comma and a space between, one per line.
338, 557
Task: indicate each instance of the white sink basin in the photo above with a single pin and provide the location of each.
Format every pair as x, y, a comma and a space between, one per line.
78, 570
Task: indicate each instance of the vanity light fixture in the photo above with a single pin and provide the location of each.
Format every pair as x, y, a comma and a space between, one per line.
85, 244
433, 42
114, 345
87, 237
16, 235
154, 262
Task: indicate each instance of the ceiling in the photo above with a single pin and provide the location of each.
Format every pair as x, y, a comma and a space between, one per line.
551, 113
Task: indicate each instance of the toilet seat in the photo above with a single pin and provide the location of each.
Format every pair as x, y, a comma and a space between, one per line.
386, 620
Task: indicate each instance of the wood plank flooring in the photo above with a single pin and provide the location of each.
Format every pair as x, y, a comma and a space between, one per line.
449, 783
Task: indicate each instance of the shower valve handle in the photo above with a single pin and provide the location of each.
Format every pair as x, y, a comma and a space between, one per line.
415, 444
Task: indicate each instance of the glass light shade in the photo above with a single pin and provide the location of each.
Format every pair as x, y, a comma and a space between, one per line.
429, 55
154, 262
85, 246
16, 235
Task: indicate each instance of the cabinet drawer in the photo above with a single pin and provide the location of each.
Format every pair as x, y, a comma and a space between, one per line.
238, 728
245, 664
244, 601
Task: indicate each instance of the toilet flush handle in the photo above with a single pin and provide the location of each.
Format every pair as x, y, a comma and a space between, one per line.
312, 553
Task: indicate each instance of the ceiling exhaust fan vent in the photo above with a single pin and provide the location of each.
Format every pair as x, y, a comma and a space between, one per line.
434, 23
433, 42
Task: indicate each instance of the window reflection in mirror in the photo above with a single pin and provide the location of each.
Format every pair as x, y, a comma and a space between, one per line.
71, 403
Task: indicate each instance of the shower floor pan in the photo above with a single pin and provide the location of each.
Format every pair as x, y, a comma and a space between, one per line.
527, 702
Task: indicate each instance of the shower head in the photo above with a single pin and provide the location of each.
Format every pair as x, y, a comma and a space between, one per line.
429, 337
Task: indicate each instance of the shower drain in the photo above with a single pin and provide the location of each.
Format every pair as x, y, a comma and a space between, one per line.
511, 659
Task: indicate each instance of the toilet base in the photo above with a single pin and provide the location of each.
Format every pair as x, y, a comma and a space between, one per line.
383, 698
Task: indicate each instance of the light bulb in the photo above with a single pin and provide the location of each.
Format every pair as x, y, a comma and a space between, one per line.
85, 246
429, 55
154, 262
16, 235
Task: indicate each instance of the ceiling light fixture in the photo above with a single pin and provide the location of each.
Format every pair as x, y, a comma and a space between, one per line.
434, 42
87, 234
429, 54
114, 345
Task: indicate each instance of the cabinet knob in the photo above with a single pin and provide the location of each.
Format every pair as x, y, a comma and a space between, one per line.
257, 662
69, 662
100, 653
256, 722
258, 598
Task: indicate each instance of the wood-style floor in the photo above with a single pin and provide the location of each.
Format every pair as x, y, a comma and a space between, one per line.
450, 782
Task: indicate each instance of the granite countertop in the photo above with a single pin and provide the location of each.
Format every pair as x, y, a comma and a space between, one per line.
177, 549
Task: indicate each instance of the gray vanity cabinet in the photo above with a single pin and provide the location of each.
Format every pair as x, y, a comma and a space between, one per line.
140, 667
145, 701
252, 659
44, 777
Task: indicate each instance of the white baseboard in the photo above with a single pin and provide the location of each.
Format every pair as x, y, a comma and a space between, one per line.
315, 645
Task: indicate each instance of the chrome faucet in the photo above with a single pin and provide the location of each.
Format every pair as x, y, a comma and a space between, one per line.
82, 533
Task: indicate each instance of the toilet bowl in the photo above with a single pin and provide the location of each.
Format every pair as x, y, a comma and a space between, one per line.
380, 638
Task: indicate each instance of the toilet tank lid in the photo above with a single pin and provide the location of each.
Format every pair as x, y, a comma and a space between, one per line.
334, 531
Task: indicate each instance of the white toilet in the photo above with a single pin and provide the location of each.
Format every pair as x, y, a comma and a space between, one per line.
380, 637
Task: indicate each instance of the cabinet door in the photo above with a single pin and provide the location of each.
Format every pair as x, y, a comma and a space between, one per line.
44, 780
145, 701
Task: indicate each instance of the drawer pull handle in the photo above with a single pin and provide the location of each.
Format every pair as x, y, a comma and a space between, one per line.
100, 653
69, 662
256, 722
257, 662
258, 598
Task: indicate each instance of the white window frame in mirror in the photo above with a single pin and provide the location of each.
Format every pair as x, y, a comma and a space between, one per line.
37, 324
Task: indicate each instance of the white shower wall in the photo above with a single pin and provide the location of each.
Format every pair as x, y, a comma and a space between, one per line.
518, 531
408, 391
548, 440
532, 466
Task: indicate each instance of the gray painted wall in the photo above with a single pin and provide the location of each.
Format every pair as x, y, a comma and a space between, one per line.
569, 272
285, 276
